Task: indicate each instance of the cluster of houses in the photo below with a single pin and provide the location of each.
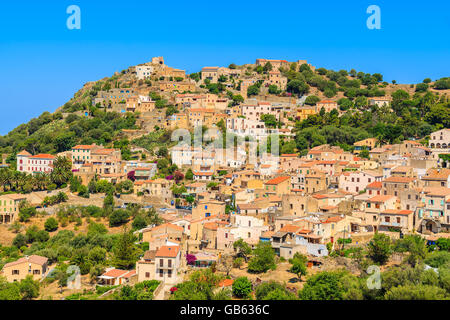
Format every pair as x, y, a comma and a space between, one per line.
296, 203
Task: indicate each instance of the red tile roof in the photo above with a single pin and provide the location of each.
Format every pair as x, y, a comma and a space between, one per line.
168, 251
380, 198
374, 185
277, 180
43, 156
399, 179
115, 273
85, 146
394, 211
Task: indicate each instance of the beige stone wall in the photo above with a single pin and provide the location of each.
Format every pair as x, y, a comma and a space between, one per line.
24, 269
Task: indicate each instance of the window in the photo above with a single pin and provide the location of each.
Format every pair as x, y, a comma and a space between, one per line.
36, 272
147, 274
15, 272
161, 273
169, 263
161, 262
169, 273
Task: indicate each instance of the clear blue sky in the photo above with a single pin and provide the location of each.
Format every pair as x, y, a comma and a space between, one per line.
43, 63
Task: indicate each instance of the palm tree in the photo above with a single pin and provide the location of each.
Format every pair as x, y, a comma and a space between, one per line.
3, 179
62, 171
41, 181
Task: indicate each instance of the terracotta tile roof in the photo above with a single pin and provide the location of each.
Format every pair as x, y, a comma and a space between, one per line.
43, 156
31, 259
394, 211
115, 273
211, 226
130, 274
85, 146
374, 185
333, 219
277, 180
437, 174
267, 234
168, 226
380, 198
168, 251
399, 179
290, 228
437, 191
303, 231
197, 173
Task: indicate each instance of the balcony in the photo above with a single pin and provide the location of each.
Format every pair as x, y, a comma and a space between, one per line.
390, 224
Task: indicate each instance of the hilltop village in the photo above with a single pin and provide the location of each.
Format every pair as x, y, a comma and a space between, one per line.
117, 184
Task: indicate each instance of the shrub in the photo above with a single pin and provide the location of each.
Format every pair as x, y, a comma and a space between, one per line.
51, 224
242, 287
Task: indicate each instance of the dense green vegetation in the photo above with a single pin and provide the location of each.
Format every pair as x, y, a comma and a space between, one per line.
51, 134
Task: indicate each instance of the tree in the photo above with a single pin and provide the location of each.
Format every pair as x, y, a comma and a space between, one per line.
62, 171
29, 288
299, 265
443, 244
189, 174
125, 187
267, 67
118, 217
415, 245
335, 285
83, 192
312, 100
416, 292
269, 120
198, 287
297, 87
263, 258
273, 291
108, 203
51, 224
237, 99
438, 259
364, 154
273, 89
124, 252
243, 249
162, 152
242, 287
380, 248
421, 87
19, 241
253, 90
9, 291
26, 212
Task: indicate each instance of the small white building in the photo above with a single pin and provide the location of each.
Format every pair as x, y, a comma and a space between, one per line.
41, 163
143, 72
